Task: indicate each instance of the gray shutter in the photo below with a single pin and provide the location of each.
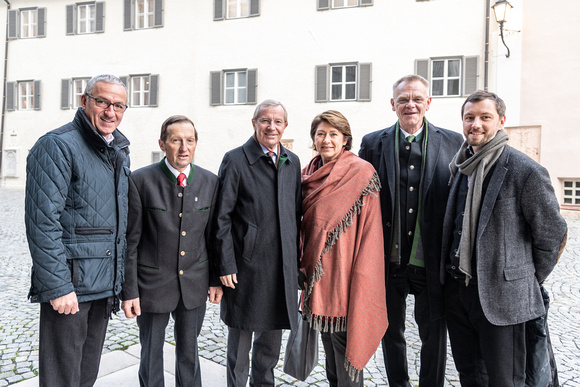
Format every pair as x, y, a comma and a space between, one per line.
252, 86
215, 85
322, 4
36, 86
70, 19
158, 14
13, 23
364, 82
470, 74
65, 94
100, 17
153, 90
254, 7
422, 68
321, 84
125, 81
41, 22
128, 15
10, 96
218, 9
364, 3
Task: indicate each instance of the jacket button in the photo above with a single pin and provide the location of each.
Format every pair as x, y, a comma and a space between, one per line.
410, 210
180, 214
180, 195
180, 272
182, 253
183, 233
412, 167
108, 252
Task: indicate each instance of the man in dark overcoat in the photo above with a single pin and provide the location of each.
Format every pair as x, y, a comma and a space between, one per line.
171, 261
258, 223
412, 159
502, 236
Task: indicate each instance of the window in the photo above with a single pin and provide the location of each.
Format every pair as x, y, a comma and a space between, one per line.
571, 194
23, 95
335, 4
74, 88
233, 87
85, 18
143, 89
346, 82
235, 9
450, 77
157, 156
27, 23
141, 14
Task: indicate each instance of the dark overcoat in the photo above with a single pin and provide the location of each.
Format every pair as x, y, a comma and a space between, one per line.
258, 223
519, 234
378, 148
169, 238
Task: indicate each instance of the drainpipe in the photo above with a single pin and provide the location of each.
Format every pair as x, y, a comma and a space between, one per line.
486, 58
4, 91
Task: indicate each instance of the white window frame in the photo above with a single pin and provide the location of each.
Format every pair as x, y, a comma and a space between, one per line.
343, 83
29, 29
238, 90
26, 99
571, 192
242, 9
446, 78
78, 89
140, 90
88, 23
146, 18
336, 4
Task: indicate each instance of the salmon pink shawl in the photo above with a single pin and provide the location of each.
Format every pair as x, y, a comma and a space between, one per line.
342, 254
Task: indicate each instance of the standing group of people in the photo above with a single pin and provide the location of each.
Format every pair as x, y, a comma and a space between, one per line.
470, 227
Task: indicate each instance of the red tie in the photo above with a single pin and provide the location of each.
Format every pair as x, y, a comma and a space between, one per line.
181, 179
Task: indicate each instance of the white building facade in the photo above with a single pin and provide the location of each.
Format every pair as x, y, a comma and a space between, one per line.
215, 60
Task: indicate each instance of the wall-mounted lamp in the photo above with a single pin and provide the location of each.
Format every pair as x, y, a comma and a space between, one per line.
501, 9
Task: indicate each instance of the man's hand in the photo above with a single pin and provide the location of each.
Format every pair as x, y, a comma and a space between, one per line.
67, 304
132, 308
229, 280
215, 294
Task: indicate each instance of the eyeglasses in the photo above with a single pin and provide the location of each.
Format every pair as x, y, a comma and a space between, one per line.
104, 104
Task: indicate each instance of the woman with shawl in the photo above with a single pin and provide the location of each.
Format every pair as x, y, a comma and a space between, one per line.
342, 251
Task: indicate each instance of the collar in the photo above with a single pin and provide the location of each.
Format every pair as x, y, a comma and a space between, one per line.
176, 172
417, 135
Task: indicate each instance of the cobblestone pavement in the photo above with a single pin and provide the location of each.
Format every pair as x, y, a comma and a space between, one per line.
19, 318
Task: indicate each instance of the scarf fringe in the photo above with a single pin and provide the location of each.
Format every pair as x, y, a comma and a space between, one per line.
373, 187
353, 372
327, 324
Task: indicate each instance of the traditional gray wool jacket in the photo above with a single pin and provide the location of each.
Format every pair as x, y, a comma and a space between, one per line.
76, 212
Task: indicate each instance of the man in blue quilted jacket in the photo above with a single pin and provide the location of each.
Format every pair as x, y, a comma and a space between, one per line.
76, 218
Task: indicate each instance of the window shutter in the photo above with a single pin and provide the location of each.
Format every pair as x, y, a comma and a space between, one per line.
323, 4
215, 88
41, 22
254, 7
153, 90
321, 84
100, 17
218, 9
364, 82
10, 94
128, 15
125, 81
252, 86
13, 23
471, 76
65, 94
70, 19
158, 14
422, 68
36, 86
364, 3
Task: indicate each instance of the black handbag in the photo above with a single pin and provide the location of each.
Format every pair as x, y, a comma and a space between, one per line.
301, 350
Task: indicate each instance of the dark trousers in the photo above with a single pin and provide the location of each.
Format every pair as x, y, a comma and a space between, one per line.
71, 344
335, 351
433, 334
265, 353
187, 328
484, 354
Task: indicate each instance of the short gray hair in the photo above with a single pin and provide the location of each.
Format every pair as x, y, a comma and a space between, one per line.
107, 78
410, 78
266, 104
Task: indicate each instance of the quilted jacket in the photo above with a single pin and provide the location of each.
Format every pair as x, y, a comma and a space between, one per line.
76, 212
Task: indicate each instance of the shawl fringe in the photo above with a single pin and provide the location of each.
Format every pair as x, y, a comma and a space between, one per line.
353, 372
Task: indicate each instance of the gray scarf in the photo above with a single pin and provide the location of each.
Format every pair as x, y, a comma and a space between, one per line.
475, 168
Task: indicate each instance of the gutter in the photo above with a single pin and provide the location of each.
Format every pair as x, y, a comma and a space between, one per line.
486, 57
4, 92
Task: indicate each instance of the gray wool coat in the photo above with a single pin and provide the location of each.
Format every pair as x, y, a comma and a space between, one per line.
258, 223
519, 234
